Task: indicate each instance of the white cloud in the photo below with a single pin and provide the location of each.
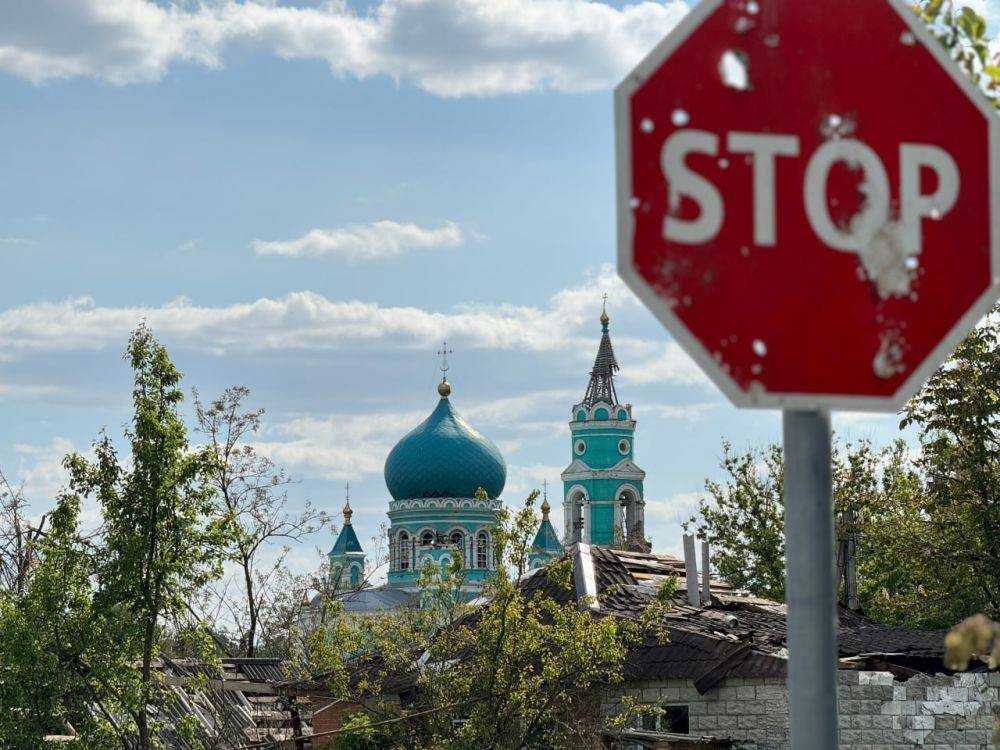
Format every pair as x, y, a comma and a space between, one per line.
41, 475
662, 363
340, 446
664, 519
15, 241
382, 239
354, 446
306, 320
694, 412
190, 245
676, 508
446, 47
17, 392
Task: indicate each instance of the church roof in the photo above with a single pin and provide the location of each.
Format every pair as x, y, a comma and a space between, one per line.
546, 539
347, 541
602, 381
444, 457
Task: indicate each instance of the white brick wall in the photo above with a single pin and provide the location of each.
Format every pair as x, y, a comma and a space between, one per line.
876, 711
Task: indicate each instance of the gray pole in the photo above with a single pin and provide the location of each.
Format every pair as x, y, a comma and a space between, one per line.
810, 591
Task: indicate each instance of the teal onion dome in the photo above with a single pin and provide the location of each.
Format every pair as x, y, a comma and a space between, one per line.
444, 457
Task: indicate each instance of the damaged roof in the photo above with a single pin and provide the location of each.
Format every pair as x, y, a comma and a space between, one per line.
737, 635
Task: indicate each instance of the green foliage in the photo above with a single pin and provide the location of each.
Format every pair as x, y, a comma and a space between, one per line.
517, 672
928, 524
743, 520
86, 632
742, 516
954, 531
962, 32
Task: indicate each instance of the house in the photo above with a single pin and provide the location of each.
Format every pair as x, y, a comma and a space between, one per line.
719, 679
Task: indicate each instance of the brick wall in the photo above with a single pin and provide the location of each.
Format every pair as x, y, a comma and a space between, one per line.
876, 711
328, 717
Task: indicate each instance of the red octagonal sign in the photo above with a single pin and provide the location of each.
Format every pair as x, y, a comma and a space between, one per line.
808, 196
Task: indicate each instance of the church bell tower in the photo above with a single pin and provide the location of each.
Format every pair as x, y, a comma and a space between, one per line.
602, 487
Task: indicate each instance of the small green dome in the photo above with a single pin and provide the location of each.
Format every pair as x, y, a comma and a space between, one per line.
444, 457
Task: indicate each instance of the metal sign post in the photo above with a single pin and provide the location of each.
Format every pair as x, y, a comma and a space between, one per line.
810, 587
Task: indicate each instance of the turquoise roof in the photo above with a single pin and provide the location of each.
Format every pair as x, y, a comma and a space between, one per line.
444, 457
546, 539
347, 541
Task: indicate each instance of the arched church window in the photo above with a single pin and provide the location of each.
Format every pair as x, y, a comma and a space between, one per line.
427, 538
622, 415
581, 416
404, 551
601, 414
456, 538
482, 549
355, 576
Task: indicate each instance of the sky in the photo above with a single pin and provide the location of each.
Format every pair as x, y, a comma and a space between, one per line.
306, 198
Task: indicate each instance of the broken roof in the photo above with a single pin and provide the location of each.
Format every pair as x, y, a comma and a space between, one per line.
737, 635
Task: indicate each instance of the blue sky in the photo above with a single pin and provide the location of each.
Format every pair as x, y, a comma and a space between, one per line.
306, 198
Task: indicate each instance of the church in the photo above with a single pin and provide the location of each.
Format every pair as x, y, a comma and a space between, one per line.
446, 480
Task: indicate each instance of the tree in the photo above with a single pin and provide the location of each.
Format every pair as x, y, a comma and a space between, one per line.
962, 32
742, 517
18, 538
516, 672
957, 415
252, 493
163, 537
78, 646
744, 521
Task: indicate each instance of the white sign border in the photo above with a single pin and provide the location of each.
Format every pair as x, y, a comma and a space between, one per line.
767, 399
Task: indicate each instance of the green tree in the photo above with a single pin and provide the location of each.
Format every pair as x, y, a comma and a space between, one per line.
962, 32
956, 528
80, 645
742, 516
519, 671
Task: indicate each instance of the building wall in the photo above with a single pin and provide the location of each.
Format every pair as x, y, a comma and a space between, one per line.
329, 717
877, 712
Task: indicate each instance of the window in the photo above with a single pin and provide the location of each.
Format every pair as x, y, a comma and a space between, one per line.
355, 576
580, 447
622, 415
456, 538
427, 538
482, 550
672, 719
404, 551
601, 414
581, 416
623, 447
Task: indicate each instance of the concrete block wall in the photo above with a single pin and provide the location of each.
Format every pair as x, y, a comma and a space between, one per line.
877, 712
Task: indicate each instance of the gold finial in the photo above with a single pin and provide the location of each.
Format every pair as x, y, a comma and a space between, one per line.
444, 387
604, 311
305, 596
545, 500
347, 506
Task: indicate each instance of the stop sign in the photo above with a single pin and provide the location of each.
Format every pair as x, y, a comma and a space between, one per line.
808, 199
